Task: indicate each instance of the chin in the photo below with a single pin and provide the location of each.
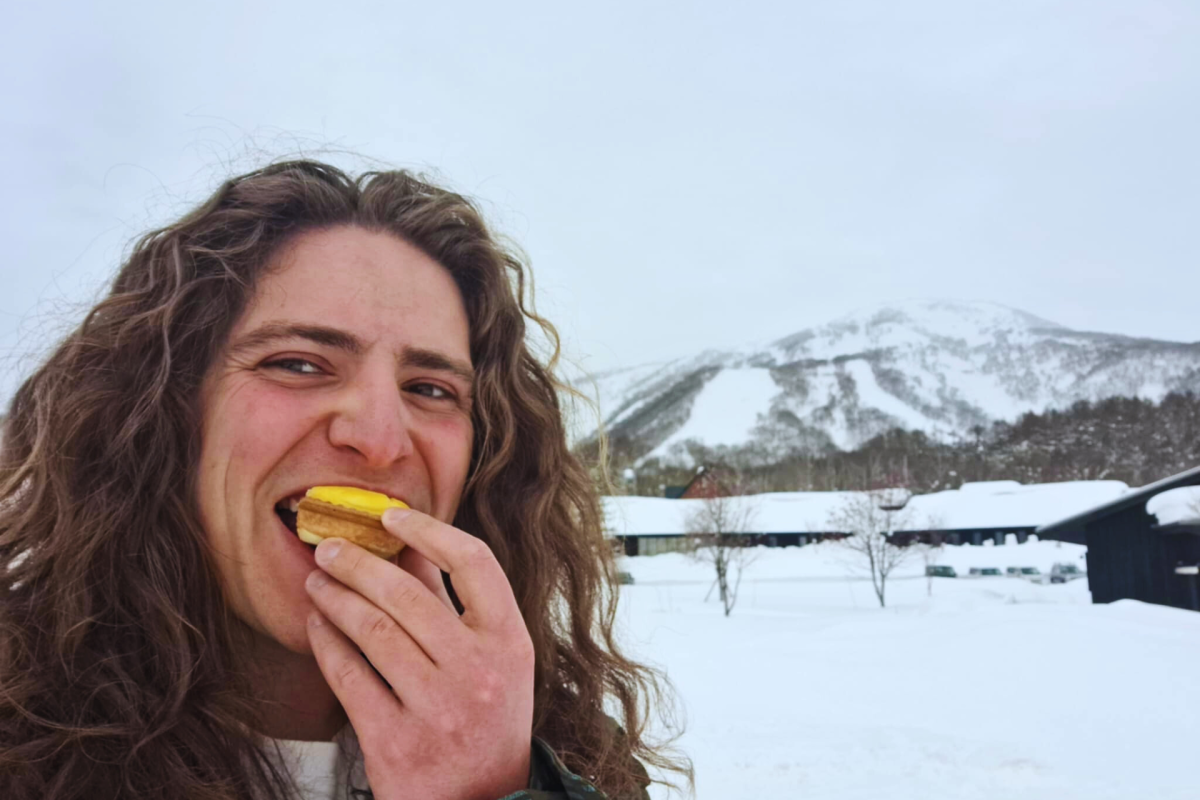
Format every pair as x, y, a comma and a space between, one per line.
292, 637
288, 631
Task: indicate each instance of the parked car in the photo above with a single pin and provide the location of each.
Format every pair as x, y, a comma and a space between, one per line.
624, 578
985, 572
1022, 572
1063, 572
940, 571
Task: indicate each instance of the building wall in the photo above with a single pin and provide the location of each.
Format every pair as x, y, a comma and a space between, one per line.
705, 486
1126, 559
653, 545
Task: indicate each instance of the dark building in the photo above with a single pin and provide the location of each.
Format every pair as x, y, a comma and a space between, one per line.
708, 481
1130, 555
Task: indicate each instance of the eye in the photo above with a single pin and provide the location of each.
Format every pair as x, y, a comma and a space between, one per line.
296, 366
431, 390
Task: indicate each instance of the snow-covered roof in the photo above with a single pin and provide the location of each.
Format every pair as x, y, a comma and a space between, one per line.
1005, 504
975, 506
1072, 524
1176, 506
784, 512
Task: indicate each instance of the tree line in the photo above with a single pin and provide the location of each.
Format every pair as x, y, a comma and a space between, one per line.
1119, 438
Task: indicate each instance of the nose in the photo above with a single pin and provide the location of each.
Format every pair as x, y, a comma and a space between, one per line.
372, 419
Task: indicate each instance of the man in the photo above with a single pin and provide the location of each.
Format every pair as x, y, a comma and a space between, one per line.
164, 633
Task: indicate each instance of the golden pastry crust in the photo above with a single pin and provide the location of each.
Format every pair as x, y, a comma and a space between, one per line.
316, 520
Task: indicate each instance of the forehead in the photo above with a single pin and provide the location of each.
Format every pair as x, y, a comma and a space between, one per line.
372, 284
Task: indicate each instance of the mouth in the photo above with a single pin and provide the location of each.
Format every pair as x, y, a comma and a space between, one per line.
287, 510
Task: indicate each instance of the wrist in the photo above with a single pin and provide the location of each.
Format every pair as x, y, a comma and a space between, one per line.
512, 782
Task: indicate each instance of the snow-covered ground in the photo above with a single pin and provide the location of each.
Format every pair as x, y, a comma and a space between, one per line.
992, 688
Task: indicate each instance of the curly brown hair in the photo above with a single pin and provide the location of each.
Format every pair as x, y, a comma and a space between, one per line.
119, 665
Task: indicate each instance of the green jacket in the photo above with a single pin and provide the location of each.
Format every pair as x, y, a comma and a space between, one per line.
549, 779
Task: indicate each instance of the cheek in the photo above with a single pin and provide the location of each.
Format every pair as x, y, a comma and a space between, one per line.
268, 423
250, 431
450, 450
465, 442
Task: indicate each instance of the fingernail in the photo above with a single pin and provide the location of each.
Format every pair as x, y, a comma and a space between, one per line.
315, 620
316, 579
394, 516
327, 550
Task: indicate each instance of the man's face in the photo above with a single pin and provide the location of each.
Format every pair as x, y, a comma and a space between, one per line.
350, 366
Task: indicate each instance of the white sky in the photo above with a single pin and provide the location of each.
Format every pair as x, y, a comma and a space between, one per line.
683, 175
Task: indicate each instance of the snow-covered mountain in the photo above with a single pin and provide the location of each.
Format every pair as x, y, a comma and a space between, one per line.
937, 366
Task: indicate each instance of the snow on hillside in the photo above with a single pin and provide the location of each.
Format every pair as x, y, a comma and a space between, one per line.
937, 366
872, 395
990, 689
727, 409
608, 388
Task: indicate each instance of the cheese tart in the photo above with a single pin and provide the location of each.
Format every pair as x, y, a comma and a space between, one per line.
344, 512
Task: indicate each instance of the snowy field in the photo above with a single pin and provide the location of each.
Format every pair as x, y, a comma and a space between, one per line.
992, 688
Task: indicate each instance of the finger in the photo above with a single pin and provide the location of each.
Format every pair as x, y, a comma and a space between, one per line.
371, 706
431, 622
427, 572
479, 582
406, 597
398, 657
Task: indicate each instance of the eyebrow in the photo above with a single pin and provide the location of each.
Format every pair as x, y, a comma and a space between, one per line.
318, 334
419, 357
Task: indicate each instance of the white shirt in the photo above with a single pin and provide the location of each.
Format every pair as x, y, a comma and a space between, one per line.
321, 770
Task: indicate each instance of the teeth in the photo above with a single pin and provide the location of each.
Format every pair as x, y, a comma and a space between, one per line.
308, 537
290, 503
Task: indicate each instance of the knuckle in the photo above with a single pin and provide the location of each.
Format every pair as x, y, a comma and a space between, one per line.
346, 674
517, 639
488, 687
353, 556
405, 593
524, 652
476, 551
378, 625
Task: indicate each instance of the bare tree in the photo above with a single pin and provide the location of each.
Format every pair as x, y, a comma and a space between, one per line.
870, 518
930, 552
716, 531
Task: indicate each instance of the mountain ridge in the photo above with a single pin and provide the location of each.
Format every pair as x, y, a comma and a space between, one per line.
933, 365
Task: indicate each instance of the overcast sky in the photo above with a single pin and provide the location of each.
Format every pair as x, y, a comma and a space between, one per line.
682, 175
